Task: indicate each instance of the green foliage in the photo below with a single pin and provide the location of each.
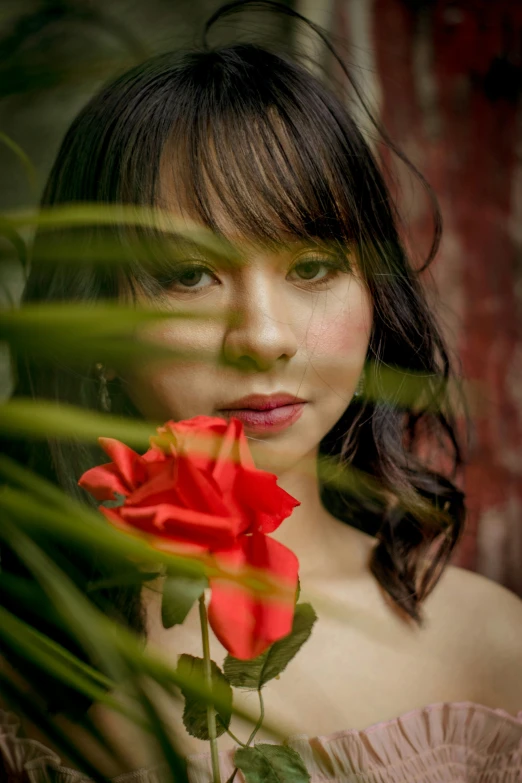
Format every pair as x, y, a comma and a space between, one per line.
15, 240
118, 501
24, 159
195, 712
90, 530
271, 764
257, 672
43, 419
66, 216
39, 648
105, 331
179, 595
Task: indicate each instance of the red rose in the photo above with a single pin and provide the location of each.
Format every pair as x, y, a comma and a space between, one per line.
246, 623
197, 490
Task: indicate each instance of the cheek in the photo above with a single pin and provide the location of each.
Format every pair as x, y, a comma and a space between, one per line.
176, 387
340, 331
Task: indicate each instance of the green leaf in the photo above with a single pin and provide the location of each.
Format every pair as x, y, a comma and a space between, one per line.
52, 657
117, 503
255, 673
42, 419
103, 318
179, 595
73, 607
12, 236
123, 578
96, 214
271, 764
195, 712
91, 529
23, 158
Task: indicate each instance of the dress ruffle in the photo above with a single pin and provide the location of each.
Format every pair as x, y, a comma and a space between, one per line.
448, 742
457, 742
29, 761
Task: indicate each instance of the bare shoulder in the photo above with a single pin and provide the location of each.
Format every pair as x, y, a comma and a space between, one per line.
487, 618
486, 603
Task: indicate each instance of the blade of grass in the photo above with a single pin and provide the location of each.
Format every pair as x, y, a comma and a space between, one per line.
53, 658
42, 419
91, 529
24, 159
112, 646
82, 352
14, 238
104, 317
74, 608
94, 214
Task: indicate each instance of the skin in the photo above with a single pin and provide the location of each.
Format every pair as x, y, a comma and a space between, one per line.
291, 334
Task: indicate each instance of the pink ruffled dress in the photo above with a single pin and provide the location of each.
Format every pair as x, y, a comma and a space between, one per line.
450, 742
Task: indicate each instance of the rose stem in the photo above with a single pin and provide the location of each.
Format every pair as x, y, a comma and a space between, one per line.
211, 712
260, 720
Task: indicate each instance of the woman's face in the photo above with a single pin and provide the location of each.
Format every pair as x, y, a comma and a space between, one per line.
289, 329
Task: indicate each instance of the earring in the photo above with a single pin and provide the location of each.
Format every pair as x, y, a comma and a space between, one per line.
360, 386
103, 391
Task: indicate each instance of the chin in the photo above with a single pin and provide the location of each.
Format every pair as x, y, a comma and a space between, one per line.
282, 452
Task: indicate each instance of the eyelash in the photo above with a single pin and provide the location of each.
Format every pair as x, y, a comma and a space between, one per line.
333, 267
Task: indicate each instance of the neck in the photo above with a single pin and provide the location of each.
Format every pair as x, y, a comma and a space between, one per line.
325, 546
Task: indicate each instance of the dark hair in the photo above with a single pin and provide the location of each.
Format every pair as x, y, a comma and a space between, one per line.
282, 153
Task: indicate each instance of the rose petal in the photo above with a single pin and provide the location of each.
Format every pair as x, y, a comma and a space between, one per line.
258, 490
183, 524
128, 462
181, 548
233, 456
184, 485
197, 489
155, 455
160, 483
103, 482
246, 623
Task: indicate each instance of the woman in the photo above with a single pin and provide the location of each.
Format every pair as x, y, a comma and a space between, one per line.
425, 682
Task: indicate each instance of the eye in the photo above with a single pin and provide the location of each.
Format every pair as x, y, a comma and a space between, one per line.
318, 270
308, 270
188, 277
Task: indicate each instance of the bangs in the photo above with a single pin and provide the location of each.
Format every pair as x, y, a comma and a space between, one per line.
263, 158
249, 145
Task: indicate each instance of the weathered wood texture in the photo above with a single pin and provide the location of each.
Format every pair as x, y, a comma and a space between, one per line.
447, 77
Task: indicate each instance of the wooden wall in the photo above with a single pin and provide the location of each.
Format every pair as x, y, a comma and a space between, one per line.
445, 78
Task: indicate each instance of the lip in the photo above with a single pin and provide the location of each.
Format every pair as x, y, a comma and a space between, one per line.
265, 413
262, 402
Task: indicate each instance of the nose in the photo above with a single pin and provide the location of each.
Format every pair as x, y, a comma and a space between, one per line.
259, 334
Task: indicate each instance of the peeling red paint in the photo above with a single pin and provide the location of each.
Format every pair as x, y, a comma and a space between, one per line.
471, 166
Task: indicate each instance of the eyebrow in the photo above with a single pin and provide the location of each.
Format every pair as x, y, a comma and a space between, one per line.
228, 250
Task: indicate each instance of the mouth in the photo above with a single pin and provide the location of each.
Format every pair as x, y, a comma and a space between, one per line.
265, 413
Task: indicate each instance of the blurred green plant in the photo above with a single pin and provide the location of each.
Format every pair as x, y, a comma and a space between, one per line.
30, 54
